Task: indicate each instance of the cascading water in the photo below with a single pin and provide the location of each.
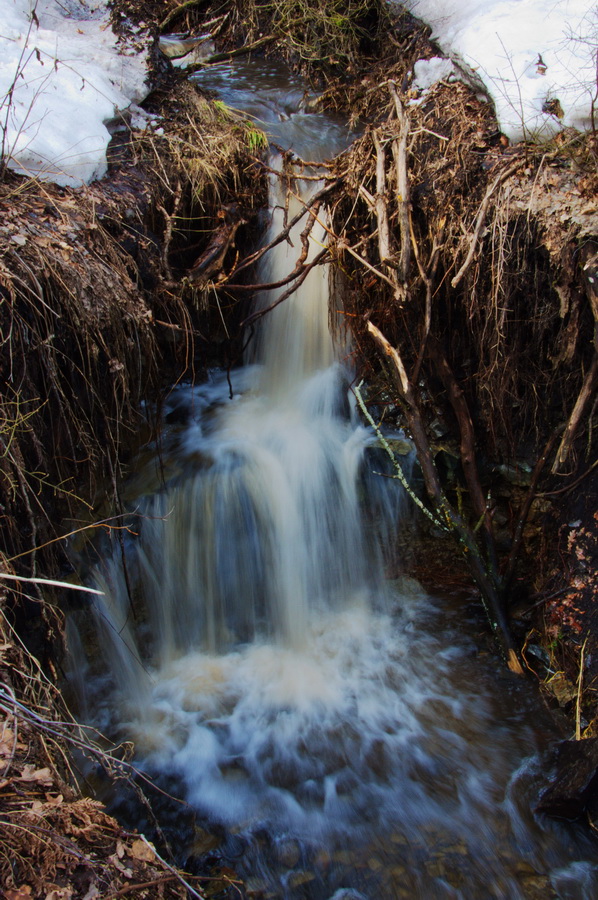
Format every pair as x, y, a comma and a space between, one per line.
337, 726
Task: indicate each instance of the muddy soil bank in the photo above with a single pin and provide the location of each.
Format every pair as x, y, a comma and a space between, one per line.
462, 250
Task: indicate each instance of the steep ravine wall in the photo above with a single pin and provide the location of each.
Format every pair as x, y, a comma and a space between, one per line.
97, 318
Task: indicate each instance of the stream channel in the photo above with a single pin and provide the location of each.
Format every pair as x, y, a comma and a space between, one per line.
336, 730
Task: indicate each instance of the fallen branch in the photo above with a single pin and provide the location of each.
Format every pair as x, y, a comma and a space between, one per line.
211, 260
380, 203
283, 235
229, 54
587, 389
306, 270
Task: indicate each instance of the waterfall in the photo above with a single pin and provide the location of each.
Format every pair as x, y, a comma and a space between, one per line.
259, 658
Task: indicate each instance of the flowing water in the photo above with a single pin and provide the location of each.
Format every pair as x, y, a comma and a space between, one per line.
338, 730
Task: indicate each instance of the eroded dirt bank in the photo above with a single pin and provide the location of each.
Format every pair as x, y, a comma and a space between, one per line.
474, 260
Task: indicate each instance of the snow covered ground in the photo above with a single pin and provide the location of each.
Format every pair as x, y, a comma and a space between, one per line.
62, 77
536, 58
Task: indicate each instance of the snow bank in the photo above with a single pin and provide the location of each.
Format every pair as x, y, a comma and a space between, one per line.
536, 58
62, 77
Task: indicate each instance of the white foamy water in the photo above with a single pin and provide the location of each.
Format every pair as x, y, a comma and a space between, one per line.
262, 663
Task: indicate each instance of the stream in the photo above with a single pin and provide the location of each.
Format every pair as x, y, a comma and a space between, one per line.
337, 730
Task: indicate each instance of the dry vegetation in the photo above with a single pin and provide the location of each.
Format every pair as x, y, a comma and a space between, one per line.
94, 291
467, 261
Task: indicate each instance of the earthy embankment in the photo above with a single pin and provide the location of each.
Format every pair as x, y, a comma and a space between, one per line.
100, 311
473, 259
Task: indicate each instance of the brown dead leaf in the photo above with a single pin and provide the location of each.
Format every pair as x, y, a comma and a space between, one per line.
39, 776
92, 893
22, 893
60, 894
120, 849
128, 873
562, 689
142, 851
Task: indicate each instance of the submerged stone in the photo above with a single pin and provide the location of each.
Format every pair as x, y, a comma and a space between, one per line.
576, 784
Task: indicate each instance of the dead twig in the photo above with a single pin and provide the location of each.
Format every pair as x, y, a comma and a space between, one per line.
399, 149
177, 11
283, 235
427, 275
587, 389
168, 227
301, 278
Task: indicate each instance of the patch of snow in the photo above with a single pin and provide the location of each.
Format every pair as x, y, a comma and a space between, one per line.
63, 77
427, 72
536, 58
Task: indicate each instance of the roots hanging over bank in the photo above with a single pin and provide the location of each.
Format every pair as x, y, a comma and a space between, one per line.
96, 300
452, 257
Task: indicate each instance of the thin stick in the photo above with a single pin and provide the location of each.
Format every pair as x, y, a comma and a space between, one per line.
579, 692
170, 868
283, 235
305, 272
52, 583
587, 389
181, 8
396, 464
399, 149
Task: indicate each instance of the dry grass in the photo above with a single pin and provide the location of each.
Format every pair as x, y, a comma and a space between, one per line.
517, 329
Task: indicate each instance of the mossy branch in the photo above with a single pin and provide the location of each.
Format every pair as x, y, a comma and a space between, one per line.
400, 475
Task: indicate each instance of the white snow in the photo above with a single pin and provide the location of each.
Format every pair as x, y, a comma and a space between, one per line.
528, 54
61, 81
427, 72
